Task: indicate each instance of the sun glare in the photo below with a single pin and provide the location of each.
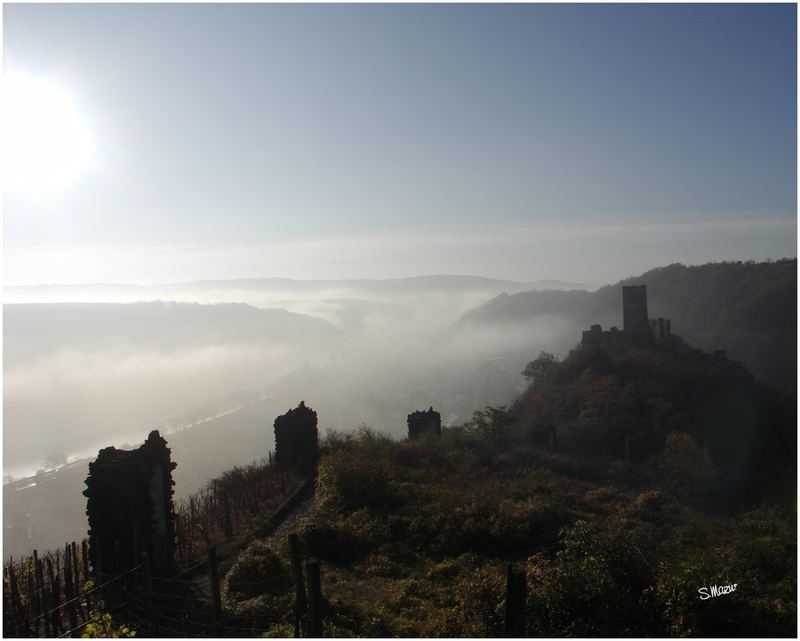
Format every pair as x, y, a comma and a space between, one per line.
46, 142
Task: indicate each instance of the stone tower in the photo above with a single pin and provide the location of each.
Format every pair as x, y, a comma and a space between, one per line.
634, 308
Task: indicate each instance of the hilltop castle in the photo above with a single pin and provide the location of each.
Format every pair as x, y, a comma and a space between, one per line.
638, 330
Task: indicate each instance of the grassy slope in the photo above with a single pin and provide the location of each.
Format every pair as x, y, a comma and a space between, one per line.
415, 536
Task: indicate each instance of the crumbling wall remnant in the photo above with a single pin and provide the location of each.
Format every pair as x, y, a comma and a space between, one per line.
296, 436
427, 422
130, 508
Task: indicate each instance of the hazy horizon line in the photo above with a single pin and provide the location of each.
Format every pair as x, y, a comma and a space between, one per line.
360, 279
418, 277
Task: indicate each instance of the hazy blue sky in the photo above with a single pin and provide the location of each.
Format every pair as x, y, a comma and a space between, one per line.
581, 142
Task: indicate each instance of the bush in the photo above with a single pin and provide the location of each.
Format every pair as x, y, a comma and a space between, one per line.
592, 588
688, 469
331, 541
258, 570
258, 587
353, 481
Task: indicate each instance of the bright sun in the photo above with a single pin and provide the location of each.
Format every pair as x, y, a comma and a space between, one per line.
46, 142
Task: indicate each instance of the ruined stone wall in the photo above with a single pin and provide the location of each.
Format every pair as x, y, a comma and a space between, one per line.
427, 422
661, 329
129, 501
296, 439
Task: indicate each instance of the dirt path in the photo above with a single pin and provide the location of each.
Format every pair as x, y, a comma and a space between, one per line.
289, 523
200, 578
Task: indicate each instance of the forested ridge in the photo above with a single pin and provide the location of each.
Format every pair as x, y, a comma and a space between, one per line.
746, 308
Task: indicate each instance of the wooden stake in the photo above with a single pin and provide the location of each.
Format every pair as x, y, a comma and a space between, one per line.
16, 603
69, 591
516, 590
54, 598
7, 608
38, 585
44, 601
299, 587
85, 559
217, 602
314, 600
31, 610
227, 523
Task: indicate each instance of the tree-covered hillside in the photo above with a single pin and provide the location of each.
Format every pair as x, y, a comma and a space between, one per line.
746, 308
415, 536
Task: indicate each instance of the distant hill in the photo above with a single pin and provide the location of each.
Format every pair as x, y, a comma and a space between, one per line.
32, 330
746, 308
224, 289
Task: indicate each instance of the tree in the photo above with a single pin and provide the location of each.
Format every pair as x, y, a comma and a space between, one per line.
490, 422
542, 370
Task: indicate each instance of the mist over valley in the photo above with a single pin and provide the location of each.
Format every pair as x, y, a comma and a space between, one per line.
212, 376
399, 320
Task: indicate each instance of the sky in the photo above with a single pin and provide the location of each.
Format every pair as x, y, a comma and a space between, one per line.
579, 142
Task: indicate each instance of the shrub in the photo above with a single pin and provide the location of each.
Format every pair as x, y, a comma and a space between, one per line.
353, 481
592, 588
331, 541
688, 469
258, 571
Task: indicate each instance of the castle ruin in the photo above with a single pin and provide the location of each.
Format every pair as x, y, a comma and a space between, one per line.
638, 330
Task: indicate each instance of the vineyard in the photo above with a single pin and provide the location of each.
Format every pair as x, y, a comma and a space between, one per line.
58, 594
229, 506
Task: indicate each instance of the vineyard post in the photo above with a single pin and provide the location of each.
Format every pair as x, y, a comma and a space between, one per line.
31, 600
76, 577
314, 600
37, 602
43, 600
85, 559
299, 588
179, 536
16, 603
54, 597
99, 569
6, 602
227, 523
215, 596
69, 592
515, 603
